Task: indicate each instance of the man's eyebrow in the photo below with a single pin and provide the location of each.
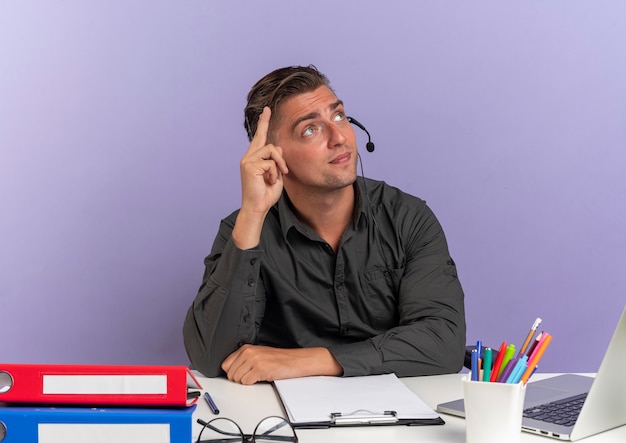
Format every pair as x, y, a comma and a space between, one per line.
335, 105
312, 115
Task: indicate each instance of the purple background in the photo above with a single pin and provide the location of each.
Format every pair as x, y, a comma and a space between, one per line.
121, 132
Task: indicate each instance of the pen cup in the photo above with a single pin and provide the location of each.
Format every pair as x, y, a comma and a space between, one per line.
493, 411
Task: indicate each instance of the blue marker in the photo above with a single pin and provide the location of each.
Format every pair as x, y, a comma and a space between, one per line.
479, 348
475, 368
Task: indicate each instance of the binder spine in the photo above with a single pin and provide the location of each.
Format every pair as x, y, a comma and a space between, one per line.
22, 424
97, 385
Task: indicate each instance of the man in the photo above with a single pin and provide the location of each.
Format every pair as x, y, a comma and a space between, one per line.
318, 272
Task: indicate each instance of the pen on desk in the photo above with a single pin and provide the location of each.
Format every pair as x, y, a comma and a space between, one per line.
529, 336
211, 403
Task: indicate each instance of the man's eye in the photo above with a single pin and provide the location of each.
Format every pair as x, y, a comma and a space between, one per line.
340, 116
308, 131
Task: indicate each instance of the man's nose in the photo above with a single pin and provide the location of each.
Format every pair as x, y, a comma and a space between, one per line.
336, 136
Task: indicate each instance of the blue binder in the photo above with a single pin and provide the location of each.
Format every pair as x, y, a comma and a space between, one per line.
32, 424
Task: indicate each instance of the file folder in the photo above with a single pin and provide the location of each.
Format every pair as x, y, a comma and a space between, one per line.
27, 424
96, 385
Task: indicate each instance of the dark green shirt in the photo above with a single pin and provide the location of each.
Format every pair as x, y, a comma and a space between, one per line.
388, 301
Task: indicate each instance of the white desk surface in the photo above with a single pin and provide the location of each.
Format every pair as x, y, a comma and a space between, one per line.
247, 405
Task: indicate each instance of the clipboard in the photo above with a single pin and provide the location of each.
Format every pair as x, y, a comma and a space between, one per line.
373, 400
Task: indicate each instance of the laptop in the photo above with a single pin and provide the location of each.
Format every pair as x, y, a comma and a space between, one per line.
601, 400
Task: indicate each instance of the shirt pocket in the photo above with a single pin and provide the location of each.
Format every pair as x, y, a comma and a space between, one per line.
380, 289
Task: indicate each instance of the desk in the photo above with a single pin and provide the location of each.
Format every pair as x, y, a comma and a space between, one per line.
247, 405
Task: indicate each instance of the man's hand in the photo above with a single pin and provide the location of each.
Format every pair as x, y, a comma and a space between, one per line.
250, 363
262, 169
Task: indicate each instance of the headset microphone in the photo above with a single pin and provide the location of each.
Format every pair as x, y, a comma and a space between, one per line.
369, 145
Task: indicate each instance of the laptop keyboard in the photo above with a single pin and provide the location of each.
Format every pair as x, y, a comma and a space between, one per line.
563, 412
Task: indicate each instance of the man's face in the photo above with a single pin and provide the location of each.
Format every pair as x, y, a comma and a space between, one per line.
318, 142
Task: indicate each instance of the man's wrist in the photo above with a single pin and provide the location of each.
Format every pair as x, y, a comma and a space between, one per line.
247, 230
326, 363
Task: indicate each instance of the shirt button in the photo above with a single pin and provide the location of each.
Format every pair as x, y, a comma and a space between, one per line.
251, 282
253, 261
246, 318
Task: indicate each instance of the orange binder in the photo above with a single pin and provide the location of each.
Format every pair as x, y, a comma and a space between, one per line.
98, 385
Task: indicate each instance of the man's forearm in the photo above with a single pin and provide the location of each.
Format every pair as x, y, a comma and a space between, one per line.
247, 230
251, 364
424, 348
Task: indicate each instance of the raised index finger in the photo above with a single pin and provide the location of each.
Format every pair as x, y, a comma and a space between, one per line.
260, 136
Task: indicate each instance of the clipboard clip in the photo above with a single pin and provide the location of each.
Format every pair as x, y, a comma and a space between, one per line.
363, 417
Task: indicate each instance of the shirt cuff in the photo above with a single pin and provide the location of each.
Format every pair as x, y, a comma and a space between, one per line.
239, 269
360, 358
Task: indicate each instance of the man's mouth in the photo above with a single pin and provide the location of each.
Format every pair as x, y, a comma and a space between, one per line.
342, 158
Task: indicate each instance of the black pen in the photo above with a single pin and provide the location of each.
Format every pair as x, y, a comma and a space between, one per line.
211, 403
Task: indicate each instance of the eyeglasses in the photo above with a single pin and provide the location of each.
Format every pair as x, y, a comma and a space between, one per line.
224, 430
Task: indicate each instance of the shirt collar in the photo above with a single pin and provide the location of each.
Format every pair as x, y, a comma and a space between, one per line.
289, 220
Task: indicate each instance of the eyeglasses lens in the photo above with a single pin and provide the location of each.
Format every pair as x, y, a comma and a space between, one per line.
274, 429
221, 430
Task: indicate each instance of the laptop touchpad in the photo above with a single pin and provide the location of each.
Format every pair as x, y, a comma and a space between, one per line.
556, 388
